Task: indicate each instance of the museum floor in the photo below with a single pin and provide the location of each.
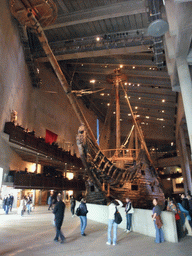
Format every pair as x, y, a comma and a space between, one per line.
33, 235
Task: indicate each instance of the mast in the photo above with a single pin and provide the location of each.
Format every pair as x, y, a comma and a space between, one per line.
26, 13
117, 96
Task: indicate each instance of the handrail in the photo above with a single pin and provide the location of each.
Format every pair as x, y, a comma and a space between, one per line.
121, 153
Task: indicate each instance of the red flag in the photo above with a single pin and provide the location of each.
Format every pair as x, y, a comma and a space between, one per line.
50, 137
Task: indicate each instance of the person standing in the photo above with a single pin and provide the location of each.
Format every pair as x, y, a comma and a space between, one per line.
22, 206
128, 211
7, 204
156, 218
83, 216
28, 204
115, 204
185, 202
11, 202
50, 202
59, 210
73, 203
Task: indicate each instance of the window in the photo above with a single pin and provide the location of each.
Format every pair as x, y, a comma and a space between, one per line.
134, 187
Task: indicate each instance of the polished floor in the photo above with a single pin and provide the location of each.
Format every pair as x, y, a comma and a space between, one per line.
33, 235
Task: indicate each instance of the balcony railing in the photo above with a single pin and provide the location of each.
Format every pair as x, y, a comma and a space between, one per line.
19, 136
39, 181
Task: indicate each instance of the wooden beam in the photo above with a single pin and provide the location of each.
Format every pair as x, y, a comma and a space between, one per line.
125, 8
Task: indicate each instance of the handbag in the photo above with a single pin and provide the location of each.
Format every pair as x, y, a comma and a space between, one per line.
118, 218
131, 210
177, 217
158, 222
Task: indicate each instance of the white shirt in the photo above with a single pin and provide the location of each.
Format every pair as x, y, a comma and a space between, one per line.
112, 209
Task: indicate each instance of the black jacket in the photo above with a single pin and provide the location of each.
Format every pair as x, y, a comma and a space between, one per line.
59, 210
83, 209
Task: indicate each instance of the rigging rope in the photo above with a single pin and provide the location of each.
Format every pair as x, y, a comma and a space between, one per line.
128, 137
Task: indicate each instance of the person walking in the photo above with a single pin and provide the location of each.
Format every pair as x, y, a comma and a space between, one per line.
156, 217
59, 210
115, 204
128, 211
73, 203
83, 216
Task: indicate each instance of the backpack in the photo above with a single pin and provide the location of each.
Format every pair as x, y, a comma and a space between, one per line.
78, 211
118, 218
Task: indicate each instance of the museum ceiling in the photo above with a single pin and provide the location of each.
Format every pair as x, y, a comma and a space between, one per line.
93, 38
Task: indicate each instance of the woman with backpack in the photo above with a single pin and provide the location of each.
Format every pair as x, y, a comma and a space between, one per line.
113, 206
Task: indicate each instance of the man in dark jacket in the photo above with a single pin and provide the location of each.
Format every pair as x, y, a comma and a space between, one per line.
59, 210
83, 215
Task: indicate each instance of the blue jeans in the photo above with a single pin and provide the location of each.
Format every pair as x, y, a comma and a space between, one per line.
83, 220
159, 234
28, 208
6, 209
129, 221
112, 224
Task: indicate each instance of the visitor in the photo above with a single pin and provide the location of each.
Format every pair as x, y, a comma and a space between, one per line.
73, 203
115, 204
156, 217
59, 210
128, 210
83, 216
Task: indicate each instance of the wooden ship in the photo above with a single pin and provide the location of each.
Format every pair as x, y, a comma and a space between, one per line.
129, 172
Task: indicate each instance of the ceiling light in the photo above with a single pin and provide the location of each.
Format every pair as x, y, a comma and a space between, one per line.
129, 114
92, 81
121, 66
125, 83
108, 104
98, 39
133, 67
129, 83
147, 117
163, 111
121, 120
108, 94
139, 98
150, 68
136, 107
163, 100
102, 94
114, 113
82, 65
137, 115
138, 84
